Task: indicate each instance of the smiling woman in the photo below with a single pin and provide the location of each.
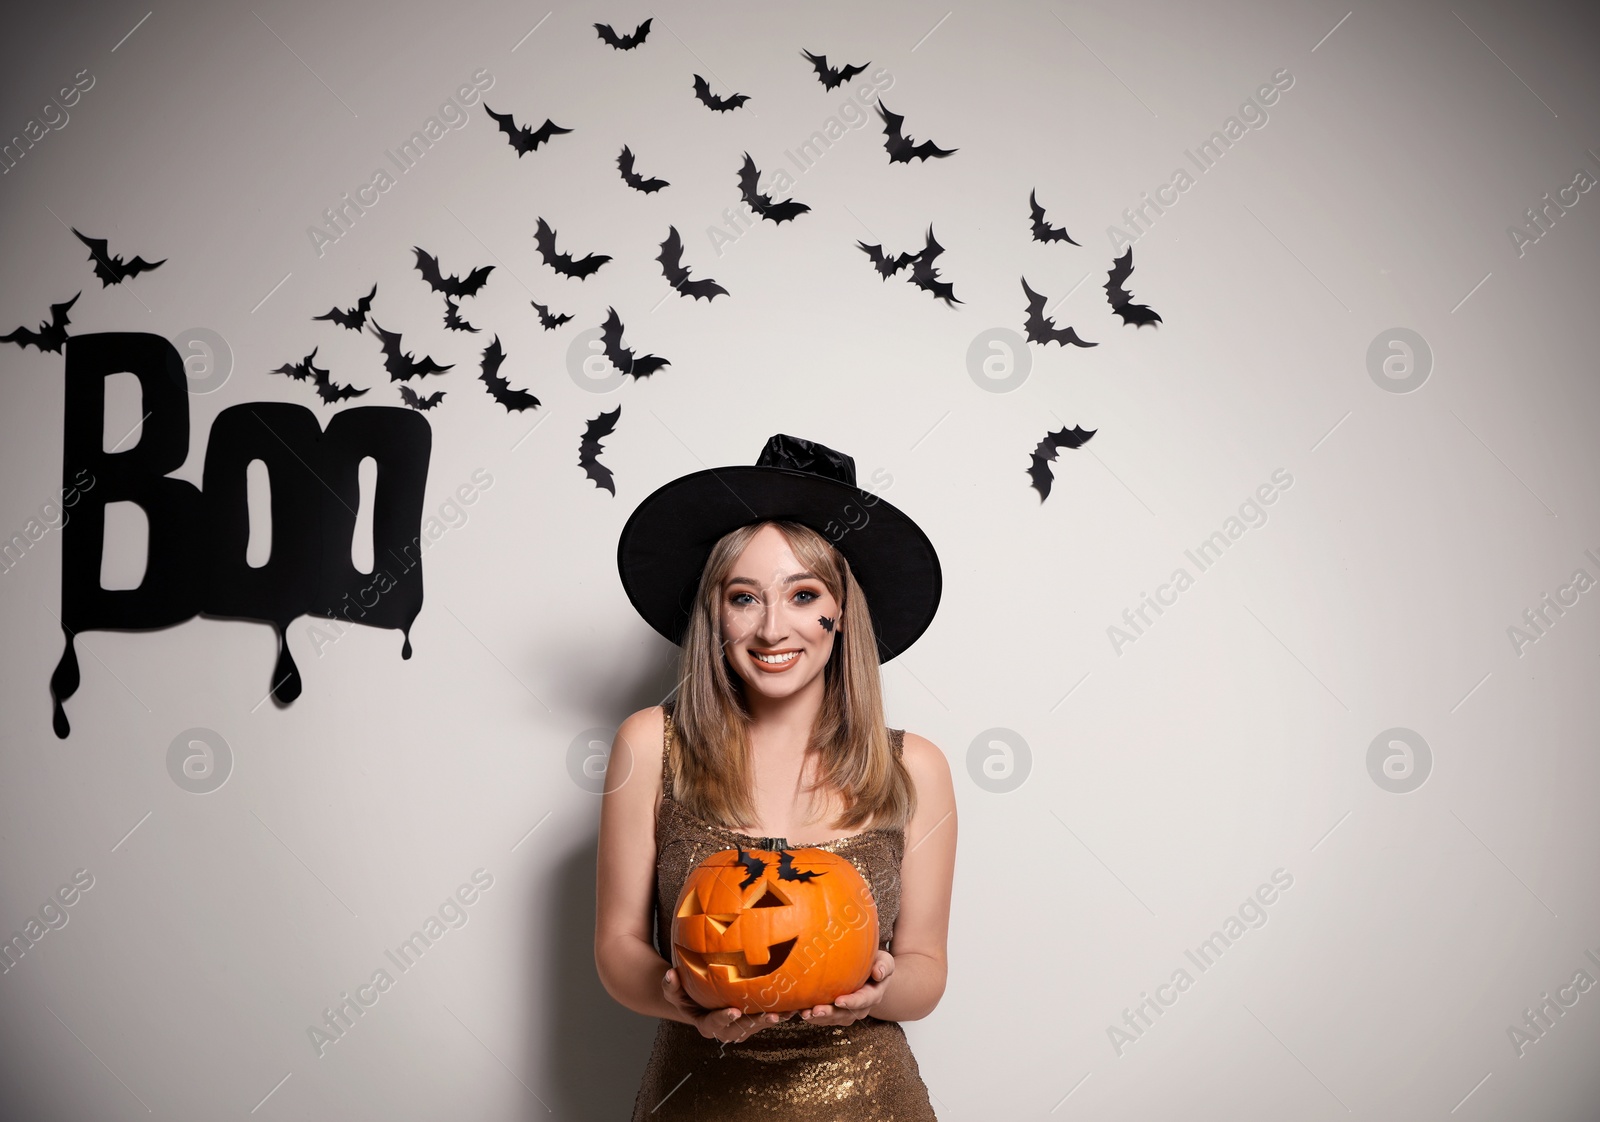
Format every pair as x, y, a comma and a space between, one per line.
776, 742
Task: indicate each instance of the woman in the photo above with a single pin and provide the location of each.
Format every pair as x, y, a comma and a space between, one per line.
776, 740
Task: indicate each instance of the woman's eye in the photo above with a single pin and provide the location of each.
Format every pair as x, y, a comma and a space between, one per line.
807, 592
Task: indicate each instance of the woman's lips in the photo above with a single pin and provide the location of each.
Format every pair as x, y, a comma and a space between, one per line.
774, 667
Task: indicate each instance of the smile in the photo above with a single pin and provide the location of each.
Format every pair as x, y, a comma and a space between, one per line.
775, 663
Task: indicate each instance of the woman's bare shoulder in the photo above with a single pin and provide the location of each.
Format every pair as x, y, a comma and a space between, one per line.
636, 754
923, 757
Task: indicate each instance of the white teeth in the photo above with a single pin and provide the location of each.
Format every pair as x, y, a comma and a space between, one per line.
777, 658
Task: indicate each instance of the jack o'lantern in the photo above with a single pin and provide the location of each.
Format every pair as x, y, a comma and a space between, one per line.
772, 932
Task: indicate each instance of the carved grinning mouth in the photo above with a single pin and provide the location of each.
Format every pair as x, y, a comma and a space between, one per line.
731, 965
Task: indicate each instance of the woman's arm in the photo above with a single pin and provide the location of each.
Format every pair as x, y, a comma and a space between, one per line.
916, 982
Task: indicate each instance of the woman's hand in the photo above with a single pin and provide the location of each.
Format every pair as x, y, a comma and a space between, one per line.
852, 1007
726, 1025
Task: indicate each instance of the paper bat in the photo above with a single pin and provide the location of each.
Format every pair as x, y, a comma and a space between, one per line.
1042, 329
625, 42
787, 871
620, 356
721, 104
428, 266
926, 277
410, 397
887, 266
321, 379
499, 388
400, 365
356, 318
111, 270
50, 336
901, 150
753, 866
524, 139
671, 257
1045, 452
546, 320
634, 179
452, 317
1042, 230
763, 204
545, 238
827, 75
589, 449
1121, 302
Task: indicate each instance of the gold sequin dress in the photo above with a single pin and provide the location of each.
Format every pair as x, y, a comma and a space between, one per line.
794, 1071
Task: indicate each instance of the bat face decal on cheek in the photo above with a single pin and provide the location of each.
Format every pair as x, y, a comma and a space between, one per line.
827, 623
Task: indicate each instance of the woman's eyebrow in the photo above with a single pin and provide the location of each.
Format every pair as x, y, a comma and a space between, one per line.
786, 580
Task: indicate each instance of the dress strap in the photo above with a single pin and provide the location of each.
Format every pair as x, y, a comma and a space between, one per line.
666, 752
897, 739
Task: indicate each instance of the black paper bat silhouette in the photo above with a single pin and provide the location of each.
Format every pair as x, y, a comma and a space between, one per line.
428, 266
1045, 452
671, 257
827, 622
753, 866
546, 320
111, 270
410, 397
452, 317
400, 365
523, 138
545, 238
326, 390
51, 335
721, 104
901, 150
763, 204
625, 42
1042, 230
827, 75
926, 277
634, 179
499, 388
887, 266
589, 449
1041, 329
356, 318
787, 871
623, 358
1121, 302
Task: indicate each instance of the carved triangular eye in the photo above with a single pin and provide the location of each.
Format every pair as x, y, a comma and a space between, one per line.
770, 897
691, 905
721, 922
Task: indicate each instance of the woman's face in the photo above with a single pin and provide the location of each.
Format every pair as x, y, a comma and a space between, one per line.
776, 620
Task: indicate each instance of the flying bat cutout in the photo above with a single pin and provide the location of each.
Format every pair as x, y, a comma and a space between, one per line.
499, 388
623, 42
753, 867
1121, 301
50, 336
306, 370
830, 78
428, 266
634, 179
411, 398
1041, 329
923, 273
702, 90
523, 138
1044, 453
589, 449
402, 367
900, 148
356, 318
749, 175
545, 238
787, 871
1042, 230
546, 320
112, 270
620, 356
452, 317
671, 258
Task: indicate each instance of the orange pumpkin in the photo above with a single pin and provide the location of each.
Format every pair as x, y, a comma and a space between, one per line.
771, 932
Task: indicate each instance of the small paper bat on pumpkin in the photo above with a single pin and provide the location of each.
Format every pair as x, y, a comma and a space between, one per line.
787, 871
753, 866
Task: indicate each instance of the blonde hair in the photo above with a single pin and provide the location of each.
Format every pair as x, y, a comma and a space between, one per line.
711, 721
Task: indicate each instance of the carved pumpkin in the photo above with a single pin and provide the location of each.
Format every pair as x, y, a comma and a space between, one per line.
771, 932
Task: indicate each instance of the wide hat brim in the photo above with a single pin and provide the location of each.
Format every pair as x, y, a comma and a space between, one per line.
664, 546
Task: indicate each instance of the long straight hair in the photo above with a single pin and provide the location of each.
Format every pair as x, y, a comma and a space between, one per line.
712, 721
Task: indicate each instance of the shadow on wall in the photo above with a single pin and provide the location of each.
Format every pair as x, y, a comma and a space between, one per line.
595, 1048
